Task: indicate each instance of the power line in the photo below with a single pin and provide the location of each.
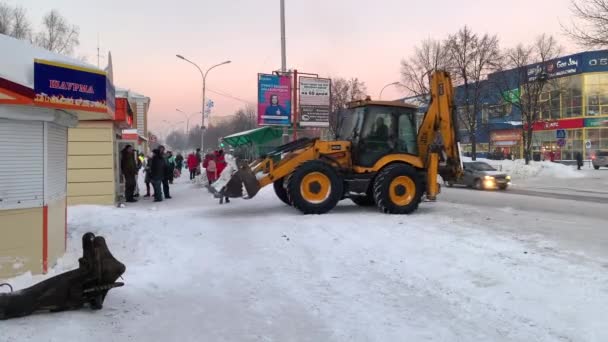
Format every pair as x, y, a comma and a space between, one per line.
230, 96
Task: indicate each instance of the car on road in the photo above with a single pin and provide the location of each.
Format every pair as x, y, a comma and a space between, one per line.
599, 159
480, 175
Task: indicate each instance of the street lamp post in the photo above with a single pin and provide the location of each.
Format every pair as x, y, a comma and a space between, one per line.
388, 85
204, 76
187, 119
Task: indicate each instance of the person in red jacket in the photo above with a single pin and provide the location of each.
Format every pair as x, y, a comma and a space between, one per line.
220, 161
210, 165
192, 164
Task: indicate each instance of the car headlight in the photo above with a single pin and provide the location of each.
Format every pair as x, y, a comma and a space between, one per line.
488, 178
508, 177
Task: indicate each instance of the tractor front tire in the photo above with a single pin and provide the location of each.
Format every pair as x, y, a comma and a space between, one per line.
279, 189
314, 187
397, 189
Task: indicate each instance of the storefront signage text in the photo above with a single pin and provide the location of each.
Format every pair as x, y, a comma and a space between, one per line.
83, 88
506, 135
596, 122
598, 61
558, 124
59, 85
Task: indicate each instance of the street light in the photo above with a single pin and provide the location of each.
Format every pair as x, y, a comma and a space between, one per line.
187, 118
204, 76
388, 85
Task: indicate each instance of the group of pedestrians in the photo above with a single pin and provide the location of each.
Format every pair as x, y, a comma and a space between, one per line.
162, 167
159, 171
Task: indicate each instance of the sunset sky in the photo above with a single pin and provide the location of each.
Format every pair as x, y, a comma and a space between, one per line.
334, 38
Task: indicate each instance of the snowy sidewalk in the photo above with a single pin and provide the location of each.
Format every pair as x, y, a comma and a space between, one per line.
259, 271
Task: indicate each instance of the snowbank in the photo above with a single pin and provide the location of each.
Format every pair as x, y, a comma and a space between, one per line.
17, 60
259, 271
519, 170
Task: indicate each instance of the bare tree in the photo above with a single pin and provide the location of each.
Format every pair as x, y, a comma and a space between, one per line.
471, 59
430, 56
14, 22
343, 91
521, 80
591, 27
21, 26
58, 35
6, 19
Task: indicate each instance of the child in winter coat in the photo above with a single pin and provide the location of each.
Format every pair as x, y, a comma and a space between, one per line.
211, 169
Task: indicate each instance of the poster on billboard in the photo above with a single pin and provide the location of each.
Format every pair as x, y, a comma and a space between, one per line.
274, 100
314, 102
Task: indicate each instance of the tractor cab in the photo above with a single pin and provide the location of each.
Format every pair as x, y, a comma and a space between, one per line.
377, 129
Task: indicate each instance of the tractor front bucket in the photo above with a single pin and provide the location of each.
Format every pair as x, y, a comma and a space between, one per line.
232, 182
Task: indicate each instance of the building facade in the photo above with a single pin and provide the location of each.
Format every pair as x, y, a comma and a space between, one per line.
42, 96
573, 116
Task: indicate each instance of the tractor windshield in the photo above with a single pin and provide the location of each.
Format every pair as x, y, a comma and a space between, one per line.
391, 128
349, 122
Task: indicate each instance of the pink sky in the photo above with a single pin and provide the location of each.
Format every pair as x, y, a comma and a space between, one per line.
334, 38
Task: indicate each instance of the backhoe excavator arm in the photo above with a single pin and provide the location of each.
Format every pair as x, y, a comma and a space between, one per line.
438, 134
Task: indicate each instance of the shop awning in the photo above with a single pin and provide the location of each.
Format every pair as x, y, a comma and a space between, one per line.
258, 136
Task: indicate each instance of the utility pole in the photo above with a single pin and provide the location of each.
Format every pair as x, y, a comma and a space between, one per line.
283, 49
284, 59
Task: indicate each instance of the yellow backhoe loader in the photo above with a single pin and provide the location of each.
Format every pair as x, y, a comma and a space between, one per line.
379, 158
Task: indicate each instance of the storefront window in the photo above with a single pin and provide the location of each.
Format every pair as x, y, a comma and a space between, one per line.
545, 142
598, 138
562, 98
603, 139
597, 94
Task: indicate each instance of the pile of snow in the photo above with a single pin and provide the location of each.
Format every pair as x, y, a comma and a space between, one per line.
260, 271
519, 170
17, 60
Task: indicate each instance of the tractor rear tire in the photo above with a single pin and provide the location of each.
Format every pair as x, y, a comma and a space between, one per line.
314, 187
398, 189
279, 189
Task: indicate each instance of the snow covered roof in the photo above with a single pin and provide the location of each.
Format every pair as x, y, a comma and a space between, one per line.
17, 60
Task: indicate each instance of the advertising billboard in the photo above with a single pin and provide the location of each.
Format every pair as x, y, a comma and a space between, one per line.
314, 102
274, 100
60, 85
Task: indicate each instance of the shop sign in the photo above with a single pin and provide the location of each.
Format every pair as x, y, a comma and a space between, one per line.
505, 135
59, 85
558, 124
274, 100
314, 101
596, 122
560, 67
596, 61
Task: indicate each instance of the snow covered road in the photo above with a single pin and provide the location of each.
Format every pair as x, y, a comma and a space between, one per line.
259, 271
